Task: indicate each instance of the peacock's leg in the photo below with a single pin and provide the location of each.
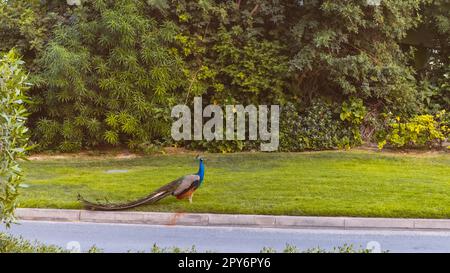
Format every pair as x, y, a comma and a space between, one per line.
190, 198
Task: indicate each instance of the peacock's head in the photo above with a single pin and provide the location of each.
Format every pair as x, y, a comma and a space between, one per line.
201, 168
199, 158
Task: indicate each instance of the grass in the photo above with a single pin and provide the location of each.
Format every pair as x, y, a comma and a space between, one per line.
353, 183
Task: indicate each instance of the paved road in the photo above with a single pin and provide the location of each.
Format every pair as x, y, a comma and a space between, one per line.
122, 238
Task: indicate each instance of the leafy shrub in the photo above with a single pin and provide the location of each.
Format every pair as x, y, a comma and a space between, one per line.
13, 132
435, 62
10, 244
157, 249
234, 50
340, 249
108, 78
353, 111
250, 69
107, 72
418, 131
26, 26
221, 146
349, 48
319, 126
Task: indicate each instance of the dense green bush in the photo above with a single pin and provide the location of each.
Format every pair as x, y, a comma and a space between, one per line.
26, 25
109, 77
221, 146
433, 63
107, 72
418, 131
319, 126
121, 93
234, 49
350, 48
13, 132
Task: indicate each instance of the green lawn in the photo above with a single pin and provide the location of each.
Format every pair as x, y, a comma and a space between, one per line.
354, 183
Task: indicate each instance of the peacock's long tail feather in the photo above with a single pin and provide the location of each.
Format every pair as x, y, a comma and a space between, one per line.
154, 197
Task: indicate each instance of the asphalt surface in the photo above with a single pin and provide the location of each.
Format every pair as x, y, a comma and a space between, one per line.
124, 237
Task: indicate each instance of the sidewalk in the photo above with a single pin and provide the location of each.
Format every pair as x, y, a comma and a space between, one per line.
207, 219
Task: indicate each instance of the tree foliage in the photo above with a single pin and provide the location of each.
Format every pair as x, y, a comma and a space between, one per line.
26, 25
435, 73
109, 77
234, 49
350, 48
107, 72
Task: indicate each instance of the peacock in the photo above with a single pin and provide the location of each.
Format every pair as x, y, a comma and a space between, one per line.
183, 187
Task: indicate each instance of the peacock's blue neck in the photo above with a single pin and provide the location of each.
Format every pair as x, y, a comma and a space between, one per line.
201, 171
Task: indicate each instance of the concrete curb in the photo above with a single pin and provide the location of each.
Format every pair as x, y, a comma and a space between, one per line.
207, 219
